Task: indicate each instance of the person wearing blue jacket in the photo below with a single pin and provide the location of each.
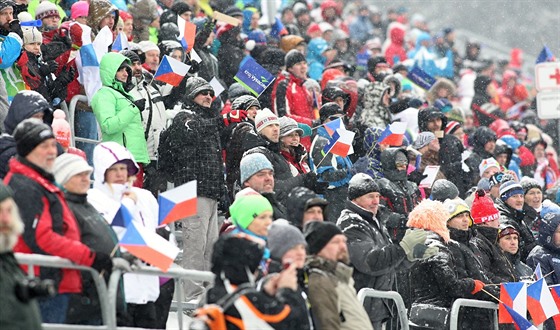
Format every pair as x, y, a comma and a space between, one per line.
11, 41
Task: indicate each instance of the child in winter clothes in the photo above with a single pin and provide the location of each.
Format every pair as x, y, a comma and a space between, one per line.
37, 74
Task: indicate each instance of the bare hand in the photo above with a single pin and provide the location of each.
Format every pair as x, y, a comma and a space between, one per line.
131, 195
271, 285
288, 278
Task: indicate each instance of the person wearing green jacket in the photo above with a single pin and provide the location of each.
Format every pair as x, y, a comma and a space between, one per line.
119, 119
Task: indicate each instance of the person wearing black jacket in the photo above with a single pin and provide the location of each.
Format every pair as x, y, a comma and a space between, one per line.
72, 172
508, 241
235, 260
483, 141
372, 253
305, 206
510, 204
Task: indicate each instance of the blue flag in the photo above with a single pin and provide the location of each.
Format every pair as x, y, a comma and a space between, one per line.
545, 55
421, 78
253, 77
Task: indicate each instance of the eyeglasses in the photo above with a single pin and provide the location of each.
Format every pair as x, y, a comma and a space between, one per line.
206, 93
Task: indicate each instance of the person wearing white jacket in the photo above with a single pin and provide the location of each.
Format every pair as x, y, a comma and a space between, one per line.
114, 167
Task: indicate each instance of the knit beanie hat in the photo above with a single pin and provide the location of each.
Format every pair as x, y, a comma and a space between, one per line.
329, 109
361, 184
289, 125
484, 184
293, 57
318, 234
423, 140
5, 4
483, 209
264, 118
244, 102
5, 192
46, 9
283, 237
456, 207
196, 85
443, 105
61, 128
510, 188
79, 9
451, 127
251, 164
443, 189
486, 164
29, 134
529, 183
67, 165
146, 46
247, 206
32, 35
496, 179
505, 230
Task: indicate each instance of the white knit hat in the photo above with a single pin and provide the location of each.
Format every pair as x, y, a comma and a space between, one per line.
32, 35
264, 118
146, 46
46, 9
67, 165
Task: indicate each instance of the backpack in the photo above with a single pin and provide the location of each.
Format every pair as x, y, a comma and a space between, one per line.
212, 316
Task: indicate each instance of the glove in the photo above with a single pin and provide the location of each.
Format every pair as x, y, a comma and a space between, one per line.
53, 66
140, 104
102, 262
235, 116
410, 240
121, 264
63, 39
16, 28
421, 251
128, 257
416, 177
320, 187
478, 286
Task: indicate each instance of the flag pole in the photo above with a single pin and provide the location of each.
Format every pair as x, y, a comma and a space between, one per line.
491, 295
110, 256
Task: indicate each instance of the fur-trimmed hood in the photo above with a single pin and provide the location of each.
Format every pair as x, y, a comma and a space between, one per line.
430, 215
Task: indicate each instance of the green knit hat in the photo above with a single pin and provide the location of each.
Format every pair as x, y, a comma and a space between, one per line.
247, 206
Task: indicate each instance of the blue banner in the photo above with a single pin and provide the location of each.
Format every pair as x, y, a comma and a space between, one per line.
253, 77
421, 78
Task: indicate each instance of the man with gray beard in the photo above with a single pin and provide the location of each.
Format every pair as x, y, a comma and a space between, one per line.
17, 312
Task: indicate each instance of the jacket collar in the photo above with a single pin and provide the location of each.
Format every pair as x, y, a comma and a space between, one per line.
75, 198
363, 213
20, 165
341, 271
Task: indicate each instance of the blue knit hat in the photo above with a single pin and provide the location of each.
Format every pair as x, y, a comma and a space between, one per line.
253, 163
510, 188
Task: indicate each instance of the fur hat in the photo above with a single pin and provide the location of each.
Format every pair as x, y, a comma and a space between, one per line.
318, 234
253, 163
361, 184
67, 165
264, 118
46, 9
430, 215
483, 209
29, 134
283, 237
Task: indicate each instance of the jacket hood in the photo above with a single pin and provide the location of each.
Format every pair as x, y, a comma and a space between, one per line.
547, 228
98, 9
108, 68
397, 35
105, 155
300, 199
315, 50
388, 157
479, 138
430, 215
425, 115
421, 38
432, 96
24, 105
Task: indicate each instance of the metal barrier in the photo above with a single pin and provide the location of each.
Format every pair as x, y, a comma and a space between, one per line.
454, 314
72, 117
395, 296
176, 272
108, 315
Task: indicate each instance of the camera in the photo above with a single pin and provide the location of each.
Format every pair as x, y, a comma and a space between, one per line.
28, 289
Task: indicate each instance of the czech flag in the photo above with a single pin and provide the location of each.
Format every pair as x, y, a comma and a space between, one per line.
177, 203
149, 246
340, 143
555, 291
513, 295
537, 274
393, 134
171, 71
121, 43
540, 303
122, 218
332, 126
520, 322
187, 33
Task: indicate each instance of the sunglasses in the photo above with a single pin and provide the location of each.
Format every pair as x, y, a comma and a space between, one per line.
206, 93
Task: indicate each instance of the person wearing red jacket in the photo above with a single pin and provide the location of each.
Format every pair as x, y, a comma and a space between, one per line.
50, 226
291, 98
395, 52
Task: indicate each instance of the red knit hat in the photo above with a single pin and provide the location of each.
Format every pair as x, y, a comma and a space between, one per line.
483, 209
